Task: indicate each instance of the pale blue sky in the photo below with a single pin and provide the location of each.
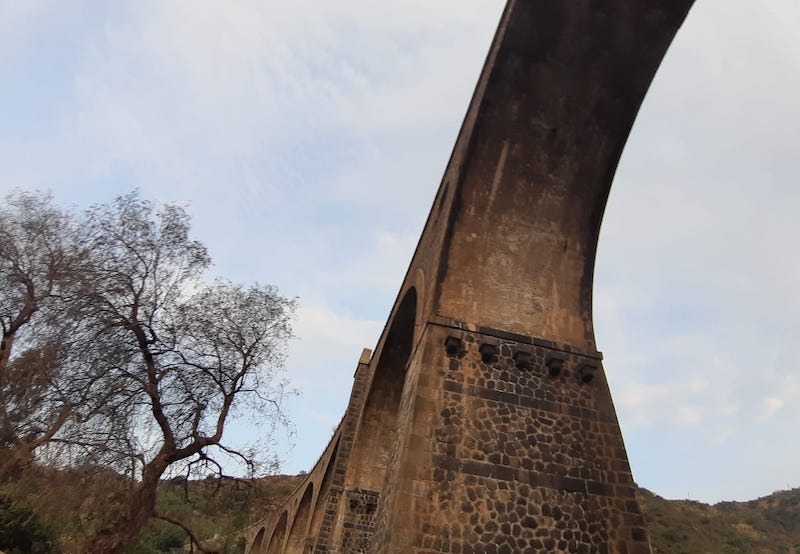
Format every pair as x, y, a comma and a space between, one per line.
308, 139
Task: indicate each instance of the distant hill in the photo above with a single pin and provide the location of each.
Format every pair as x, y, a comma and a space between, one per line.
769, 525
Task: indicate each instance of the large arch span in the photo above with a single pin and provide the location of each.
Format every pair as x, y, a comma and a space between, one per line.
483, 420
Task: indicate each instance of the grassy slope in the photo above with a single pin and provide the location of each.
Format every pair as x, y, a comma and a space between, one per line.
68, 506
212, 509
769, 525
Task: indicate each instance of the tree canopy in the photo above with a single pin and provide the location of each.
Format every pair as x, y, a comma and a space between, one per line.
118, 353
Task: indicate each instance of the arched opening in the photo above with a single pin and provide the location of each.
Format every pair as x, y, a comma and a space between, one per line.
276, 542
258, 543
377, 433
298, 532
690, 272
322, 494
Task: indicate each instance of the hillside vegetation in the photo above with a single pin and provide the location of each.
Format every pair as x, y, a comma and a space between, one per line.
58, 509
769, 525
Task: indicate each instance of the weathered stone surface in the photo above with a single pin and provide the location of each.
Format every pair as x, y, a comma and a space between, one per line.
483, 422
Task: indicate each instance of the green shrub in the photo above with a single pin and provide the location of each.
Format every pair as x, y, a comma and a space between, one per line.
21, 532
159, 537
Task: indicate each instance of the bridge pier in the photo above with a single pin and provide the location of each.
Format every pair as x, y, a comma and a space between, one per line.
502, 453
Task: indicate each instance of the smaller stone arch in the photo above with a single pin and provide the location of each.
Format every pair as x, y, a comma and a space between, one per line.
258, 542
322, 490
299, 529
278, 535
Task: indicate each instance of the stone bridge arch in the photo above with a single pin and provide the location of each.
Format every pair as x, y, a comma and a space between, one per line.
378, 423
290, 528
258, 542
348, 478
299, 526
484, 419
276, 542
322, 489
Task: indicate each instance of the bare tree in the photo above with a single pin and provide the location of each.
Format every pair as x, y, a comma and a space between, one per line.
116, 354
37, 258
40, 261
187, 357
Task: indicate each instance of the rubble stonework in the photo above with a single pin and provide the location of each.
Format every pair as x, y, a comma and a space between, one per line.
482, 422
522, 461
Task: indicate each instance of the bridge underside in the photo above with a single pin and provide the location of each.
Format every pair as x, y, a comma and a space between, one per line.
483, 422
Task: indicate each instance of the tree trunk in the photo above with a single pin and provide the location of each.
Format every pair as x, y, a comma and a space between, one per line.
14, 461
141, 508
23, 453
5, 354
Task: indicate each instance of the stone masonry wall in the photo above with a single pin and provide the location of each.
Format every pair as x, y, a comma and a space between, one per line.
522, 453
395, 486
359, 521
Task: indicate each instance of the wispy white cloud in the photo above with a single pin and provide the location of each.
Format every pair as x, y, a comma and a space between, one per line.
326, 339
771, 407
17, 16
720, 434
689, 415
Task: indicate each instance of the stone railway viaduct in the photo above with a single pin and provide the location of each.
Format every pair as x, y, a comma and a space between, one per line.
482, 422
